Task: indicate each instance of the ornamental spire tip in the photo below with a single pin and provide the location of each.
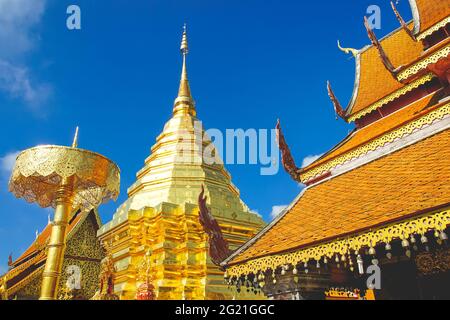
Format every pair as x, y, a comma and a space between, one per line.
75, 139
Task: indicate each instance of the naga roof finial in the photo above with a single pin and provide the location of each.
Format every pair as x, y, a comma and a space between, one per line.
339, 111
354, 52
384, 58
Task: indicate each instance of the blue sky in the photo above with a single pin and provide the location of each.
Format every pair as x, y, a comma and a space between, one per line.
250, 63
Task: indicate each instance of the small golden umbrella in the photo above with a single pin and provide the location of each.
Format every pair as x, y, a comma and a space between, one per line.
64, 178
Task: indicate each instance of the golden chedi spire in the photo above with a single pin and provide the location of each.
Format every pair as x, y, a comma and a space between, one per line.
184, 103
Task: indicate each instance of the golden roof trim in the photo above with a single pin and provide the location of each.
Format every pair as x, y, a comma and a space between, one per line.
434, 28
423, 64
408, 128
393, 96
437, 220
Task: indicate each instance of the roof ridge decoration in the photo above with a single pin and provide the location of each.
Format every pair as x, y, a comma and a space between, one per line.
383, 56
380, 141
402, 22
354, 52
338, 110
434, 221
360, 65
415, 14
287, 160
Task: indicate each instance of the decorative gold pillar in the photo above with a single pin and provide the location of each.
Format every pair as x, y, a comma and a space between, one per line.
65, 178
57, 244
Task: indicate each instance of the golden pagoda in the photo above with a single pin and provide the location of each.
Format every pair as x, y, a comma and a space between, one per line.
161, 212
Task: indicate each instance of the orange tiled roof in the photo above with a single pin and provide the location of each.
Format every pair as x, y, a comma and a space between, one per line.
431, 12
411, 180
375, 82
378, 128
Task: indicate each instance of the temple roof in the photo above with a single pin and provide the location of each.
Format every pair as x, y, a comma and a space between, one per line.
40, 242
408, 182
373, 81
427, 13
357, 138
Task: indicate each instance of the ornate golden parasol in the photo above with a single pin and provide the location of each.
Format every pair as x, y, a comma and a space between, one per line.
64, 178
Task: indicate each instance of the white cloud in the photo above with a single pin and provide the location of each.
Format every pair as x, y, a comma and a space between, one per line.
7, 163
16, 82
276, 210
310, 159
19, 20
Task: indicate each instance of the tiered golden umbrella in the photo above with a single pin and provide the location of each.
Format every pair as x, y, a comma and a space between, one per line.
65, 178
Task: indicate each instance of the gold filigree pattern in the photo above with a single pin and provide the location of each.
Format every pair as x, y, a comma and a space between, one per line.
407, 129
433, 262
392, 97
433, 29
402, 230
423, 64
39, 171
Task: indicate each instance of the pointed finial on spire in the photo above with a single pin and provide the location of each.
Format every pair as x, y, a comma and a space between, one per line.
184, 102
184, 44
49, 220
354, 52
37, 234
75, 139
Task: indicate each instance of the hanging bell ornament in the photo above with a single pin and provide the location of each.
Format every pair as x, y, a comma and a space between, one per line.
294, 271
412, 239
325, 260
283, 272
337, 259
388, 249
318, 264
343, 258
443, 236
405, 243
274, 281
423, 239
372, 251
